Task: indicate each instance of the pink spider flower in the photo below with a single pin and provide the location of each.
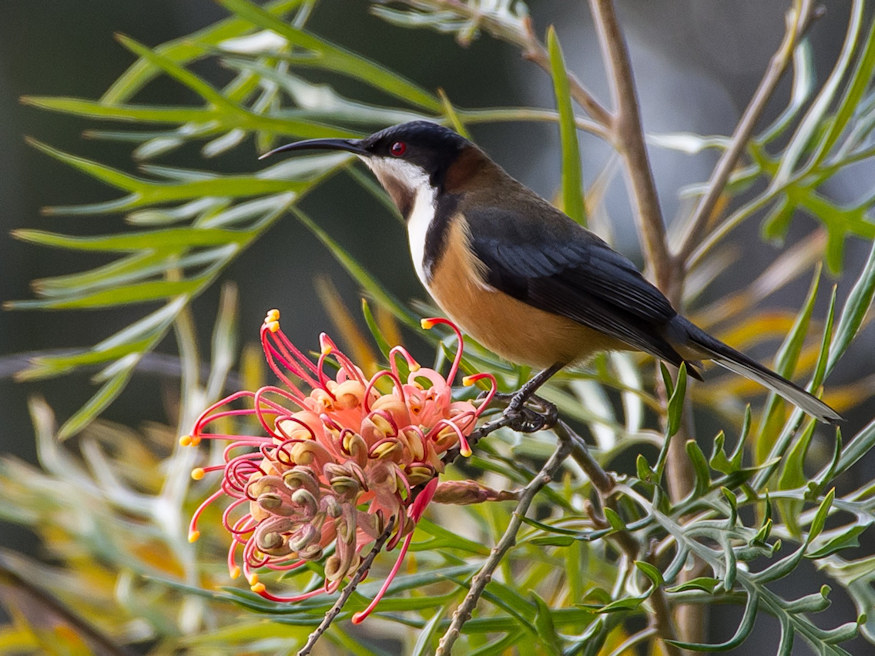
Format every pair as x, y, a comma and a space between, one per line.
332, 465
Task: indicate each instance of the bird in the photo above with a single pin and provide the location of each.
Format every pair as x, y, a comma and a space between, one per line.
519, 275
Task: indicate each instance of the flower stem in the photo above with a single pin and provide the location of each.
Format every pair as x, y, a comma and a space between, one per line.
484, 576
348, 589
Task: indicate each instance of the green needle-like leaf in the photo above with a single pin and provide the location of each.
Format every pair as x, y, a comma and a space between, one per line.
572, 176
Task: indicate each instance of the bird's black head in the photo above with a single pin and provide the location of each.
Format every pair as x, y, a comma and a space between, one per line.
406, 158
428, 146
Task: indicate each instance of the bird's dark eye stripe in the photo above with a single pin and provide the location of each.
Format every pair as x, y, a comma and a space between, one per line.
398, 148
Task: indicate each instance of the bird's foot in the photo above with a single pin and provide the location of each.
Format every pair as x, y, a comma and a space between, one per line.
527, 413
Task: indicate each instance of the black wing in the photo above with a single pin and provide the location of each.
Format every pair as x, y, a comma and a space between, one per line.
562, 268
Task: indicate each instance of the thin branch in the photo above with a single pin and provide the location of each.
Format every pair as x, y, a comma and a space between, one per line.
521, 34
601, 480
662, 625
348, 589
484, 576
798, 20
628, 137
663, 622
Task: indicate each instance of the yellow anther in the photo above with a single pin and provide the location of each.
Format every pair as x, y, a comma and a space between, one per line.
273, 315
197, 473
427, 324
465, 450
253, 579
467, 381
193, 536
186, 440
415, 366
386, 448
258, 588
234, 572
272, 326
327, 349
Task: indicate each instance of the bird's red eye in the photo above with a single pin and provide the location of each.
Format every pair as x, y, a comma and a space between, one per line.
398, 148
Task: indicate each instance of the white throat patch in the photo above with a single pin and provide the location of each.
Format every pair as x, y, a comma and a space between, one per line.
416, 180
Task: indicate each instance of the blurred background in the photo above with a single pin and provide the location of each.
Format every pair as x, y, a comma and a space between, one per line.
697, 62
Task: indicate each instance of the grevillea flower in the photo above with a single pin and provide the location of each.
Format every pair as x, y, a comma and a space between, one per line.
336, 459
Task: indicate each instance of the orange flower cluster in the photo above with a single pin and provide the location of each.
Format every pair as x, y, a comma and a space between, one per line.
334, 464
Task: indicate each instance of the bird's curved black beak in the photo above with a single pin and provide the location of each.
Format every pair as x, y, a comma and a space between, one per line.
349, 145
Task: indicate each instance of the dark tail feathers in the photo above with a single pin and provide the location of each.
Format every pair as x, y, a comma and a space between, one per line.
738, 362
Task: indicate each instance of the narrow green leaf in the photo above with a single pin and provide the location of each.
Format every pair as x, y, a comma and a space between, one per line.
788, 355
854, 312
786, 360
110, 176
334, 58
370, 185
666, 378
763, 534
224, 341
732, 502
426, 637
445, 538
134, 293
700, 467
676, 402
118, 269
202, 88
572, 175
745, 626
718, 460
187, 48
860, 83
845, 540
814, 119
544, 624
861, 444
453, 115
704, 583
171, 239
107, 393
651, 572
553, 541
376, 333
793, 476
730, 563
820, 516
614, 519
823, 355
138, 113
54, 365
643, 470
359, 273
828, 473
804, 80
496, 647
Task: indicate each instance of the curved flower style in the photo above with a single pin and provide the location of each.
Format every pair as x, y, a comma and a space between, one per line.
334, 465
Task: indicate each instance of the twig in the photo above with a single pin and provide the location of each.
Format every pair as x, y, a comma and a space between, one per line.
798, 23
662, 621
628, 138
535, 52
484, 576
604, 483
521, 34
601, 480
348, 589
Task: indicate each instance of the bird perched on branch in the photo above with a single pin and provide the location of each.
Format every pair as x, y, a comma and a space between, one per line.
521, 277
